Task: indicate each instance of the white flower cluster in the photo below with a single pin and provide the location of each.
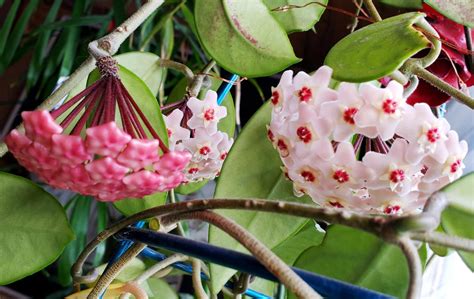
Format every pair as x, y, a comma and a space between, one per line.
200, 136
361, 147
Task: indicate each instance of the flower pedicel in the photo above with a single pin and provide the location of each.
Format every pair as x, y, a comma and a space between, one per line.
362, 148
112, 150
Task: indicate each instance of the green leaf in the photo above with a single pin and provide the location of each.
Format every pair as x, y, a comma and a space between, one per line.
160, 289
132, 206
72, 37
438, 249
358, 258
252, 169
458, 218
145, 66
18, 31
33, 228
80, 223
376, 50
102, 217
227, 124
460, 11
301, 15
416, 4
241, 42
7, 25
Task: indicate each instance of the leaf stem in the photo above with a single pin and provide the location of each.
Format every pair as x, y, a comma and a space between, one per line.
196, 277
414, 266
373, 12
444, 240
270, 260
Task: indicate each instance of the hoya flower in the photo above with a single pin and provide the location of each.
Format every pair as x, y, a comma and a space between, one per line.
365, 149
193, 128
105, 155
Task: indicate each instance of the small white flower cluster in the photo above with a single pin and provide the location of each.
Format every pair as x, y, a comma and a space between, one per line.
361, 147
200, 136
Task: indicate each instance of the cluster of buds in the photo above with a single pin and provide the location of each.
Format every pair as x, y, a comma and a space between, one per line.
194, 128
361, 147
85, 147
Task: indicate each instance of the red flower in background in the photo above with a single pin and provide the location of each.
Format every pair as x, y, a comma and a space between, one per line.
452, 33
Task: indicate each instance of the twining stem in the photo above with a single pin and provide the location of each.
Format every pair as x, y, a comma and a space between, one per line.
372, 10
107, 45
177, 257
444, 240
414, 267
264, 255
182, 68
197, 283
195, 87
110, 274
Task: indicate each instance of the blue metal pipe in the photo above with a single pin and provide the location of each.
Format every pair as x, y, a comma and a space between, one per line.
327, 287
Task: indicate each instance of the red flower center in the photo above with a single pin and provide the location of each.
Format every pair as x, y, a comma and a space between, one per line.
270, 135
209, 114
341, 176
275, 97
281, 144
389, 106
391, 209
204, 150
193, 170
455, 166
169, 132
348, 115
223, 155
304, 134
397, 175
305, 94
336, 204
433, 135
308, 176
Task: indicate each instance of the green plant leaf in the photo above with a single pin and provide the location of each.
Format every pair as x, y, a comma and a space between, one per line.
102, 218
460, 11
226, 125
240, 42
80, 223
458, 218
252, 169
7, 25
130, 206
417, 4
301, 15
33, 228
160, 289
376, 50
145, 66
358, 258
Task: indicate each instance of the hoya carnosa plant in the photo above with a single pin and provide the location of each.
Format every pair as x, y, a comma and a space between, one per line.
193, 127
112, 151
361, 147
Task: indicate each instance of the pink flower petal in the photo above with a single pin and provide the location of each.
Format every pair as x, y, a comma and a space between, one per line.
69, 149
106, 140
40, 126
139, 153
106, 169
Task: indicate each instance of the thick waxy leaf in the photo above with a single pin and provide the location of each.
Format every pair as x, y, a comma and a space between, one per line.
145, 66
458, 218
460, 11
404, 3
131, 206
376, 50
252, 170
301, 15
160, 289
227, 124
359, 258
33, 228
241, 42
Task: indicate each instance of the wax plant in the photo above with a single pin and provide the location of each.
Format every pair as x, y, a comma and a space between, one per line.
349, 171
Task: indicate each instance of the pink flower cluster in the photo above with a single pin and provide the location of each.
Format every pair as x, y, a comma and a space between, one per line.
108, 163
199, 135
361, 147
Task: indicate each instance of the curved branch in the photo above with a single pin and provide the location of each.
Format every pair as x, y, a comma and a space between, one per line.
445, 240
196, 276
270, 260
110, 274
414, 267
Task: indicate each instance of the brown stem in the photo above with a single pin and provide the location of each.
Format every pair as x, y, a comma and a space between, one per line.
444, 240
264, 255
